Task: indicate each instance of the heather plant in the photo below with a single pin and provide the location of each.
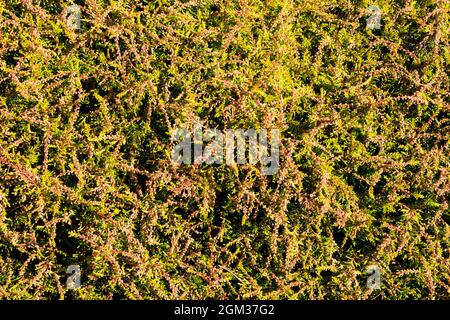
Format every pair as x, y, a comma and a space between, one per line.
86, 176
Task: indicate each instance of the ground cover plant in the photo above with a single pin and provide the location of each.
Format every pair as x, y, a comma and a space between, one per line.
86, 176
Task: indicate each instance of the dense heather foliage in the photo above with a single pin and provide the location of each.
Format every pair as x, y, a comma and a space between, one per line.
86, 176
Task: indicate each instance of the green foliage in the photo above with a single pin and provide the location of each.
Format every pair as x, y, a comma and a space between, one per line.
85, 170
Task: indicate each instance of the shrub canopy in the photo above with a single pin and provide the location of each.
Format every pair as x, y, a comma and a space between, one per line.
85, 170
